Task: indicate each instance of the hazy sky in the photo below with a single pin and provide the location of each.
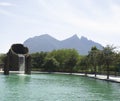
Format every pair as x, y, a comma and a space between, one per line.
98, 20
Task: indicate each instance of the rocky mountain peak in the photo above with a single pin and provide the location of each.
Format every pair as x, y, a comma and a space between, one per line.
48, 43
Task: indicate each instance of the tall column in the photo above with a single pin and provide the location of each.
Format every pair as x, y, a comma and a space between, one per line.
28, 64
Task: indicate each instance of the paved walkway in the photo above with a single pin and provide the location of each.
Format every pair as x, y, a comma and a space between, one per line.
102, 77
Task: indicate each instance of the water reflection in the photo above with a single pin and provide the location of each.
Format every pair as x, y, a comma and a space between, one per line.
15, 87
56, 87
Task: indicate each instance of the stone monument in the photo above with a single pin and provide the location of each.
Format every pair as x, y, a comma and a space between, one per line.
17, 59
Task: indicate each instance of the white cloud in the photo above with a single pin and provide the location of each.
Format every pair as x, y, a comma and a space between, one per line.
3, 10
97, 21
92, 19
6, 4
8, 13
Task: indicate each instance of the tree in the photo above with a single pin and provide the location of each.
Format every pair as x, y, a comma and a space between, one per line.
116, 63
100, 60
38, 59
50, 64
67, 58
93, 58
60, 56
2, 60
71, 60
2, 57
108, 56
84, 63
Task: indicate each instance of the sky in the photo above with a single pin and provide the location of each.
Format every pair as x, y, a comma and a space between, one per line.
98, 20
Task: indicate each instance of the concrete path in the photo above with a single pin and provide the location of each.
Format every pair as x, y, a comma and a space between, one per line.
102, 77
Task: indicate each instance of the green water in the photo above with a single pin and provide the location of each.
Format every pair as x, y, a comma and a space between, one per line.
56, 87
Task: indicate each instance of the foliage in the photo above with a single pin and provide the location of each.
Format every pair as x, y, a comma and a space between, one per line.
50, 64
2, 57
38, 59
93, 58
66, 58
103, 61
108, 54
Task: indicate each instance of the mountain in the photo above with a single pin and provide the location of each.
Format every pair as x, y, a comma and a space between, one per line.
47, 43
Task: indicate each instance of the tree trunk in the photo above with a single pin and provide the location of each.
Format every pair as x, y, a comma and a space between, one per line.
108, 71
95, 70
86, 71
100, 70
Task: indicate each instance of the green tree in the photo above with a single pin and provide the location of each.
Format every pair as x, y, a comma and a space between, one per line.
2, 57
60, 56
100, 60
108, 56
38, 59
71, 60
93, 58
116, 63
50, 64
67, 58
84, 63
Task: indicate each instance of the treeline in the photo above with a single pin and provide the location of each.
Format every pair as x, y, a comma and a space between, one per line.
105, 61
64, 60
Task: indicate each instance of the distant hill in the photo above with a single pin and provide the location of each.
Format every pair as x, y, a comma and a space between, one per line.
47, 43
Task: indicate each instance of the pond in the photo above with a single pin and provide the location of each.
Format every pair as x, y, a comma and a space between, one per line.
56, 87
